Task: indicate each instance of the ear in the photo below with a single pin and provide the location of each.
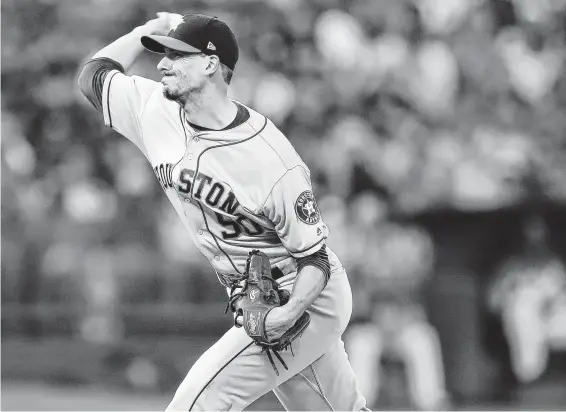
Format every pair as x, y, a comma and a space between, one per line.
213, 64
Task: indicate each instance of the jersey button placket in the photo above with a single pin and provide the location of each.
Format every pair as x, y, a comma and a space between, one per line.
217, 258
200, 232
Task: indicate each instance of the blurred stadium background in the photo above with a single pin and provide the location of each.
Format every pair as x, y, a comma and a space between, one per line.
435, 132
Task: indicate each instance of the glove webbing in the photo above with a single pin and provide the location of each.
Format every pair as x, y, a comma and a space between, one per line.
268, 351
274, 293
235, 296
265, 347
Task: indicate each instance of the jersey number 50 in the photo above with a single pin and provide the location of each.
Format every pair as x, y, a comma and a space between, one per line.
241, 225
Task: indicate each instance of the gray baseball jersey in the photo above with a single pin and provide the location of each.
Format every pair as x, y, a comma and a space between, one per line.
235, 190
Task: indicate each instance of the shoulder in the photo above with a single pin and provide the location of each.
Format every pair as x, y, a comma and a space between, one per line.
133, 84
156, 104
129, 93
275, 148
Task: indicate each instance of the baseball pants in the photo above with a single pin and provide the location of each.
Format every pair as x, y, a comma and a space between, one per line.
234, 372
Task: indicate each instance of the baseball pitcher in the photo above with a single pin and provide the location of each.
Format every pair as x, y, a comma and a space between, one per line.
245, 196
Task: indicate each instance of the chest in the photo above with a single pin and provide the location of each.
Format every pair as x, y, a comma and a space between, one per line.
222, 171
222, 177
163, 137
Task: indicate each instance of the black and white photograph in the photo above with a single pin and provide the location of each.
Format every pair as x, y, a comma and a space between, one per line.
283, 205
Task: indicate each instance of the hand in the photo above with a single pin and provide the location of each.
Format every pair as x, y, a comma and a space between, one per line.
164, 22
278, 321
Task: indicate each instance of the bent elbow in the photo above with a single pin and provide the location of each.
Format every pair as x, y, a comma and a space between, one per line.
83, 81
91, 79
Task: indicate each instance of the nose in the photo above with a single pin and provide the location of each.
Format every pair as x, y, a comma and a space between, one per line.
163, 64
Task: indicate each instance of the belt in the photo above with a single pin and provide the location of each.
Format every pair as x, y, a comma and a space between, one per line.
276, 273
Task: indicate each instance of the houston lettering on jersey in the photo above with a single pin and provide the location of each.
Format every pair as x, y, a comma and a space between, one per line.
214, 194
164, 173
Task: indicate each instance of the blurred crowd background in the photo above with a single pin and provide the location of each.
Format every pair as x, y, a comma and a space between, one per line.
435, 133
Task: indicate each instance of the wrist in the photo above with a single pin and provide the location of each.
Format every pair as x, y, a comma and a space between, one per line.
145, 29
295, 308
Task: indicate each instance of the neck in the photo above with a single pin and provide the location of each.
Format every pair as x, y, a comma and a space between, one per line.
210, 108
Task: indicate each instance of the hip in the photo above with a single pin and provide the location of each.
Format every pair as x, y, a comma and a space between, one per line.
334, 304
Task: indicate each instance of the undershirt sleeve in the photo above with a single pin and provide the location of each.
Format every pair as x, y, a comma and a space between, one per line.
121, 98
318, 259
92, 76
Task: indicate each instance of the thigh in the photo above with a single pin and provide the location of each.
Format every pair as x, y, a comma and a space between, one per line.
234, 372
328, 384
228, 376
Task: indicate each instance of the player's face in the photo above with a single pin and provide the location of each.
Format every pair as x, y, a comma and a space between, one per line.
183, 73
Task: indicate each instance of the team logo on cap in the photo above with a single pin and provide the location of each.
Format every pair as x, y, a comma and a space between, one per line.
306, 208
211, 46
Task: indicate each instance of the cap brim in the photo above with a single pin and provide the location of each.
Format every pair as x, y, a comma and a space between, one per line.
157, 44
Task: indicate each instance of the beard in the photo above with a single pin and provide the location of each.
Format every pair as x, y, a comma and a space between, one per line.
175, 96
170, 94
180, 95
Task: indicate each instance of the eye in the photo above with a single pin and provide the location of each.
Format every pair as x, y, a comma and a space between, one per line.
173, 54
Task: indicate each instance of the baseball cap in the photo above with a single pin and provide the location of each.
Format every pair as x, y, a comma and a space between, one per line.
198, 33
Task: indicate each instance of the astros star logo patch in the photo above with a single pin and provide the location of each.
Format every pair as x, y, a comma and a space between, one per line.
306, 208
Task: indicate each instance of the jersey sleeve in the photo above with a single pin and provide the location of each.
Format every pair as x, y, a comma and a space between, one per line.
292, 209
123, 102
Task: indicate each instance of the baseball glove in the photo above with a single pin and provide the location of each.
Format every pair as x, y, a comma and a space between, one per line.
259, 294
